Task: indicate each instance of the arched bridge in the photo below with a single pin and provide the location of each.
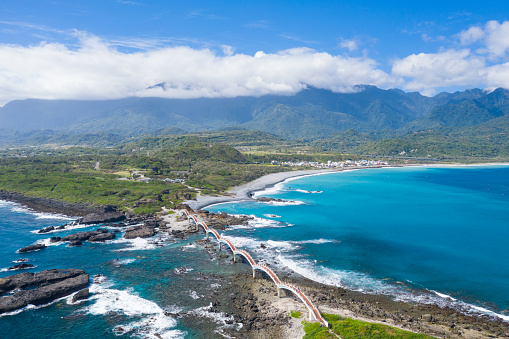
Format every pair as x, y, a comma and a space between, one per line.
314, 314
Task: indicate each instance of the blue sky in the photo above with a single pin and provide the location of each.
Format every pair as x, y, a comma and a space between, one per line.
115, 48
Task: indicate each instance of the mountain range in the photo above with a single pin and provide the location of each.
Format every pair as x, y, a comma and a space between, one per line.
327, 118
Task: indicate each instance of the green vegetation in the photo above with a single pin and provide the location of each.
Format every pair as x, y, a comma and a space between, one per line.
296, 314
69, 174
356, 329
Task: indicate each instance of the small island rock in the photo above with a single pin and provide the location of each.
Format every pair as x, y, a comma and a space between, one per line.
30, 248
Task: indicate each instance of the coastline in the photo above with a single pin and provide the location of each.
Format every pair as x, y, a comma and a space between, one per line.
431, 319
244, 191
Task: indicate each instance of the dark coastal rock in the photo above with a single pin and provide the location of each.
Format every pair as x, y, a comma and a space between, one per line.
265, 199
82, 236
100, 218
83, 294
51, 205
55, 239
46, 229
184, 207
75, 243
30, 248
21, 260
151, 223
20, 267
102, 237
23, 280
43, 294
139, 232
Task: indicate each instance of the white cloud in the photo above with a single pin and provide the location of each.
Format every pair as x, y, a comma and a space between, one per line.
497, 38
351, 45
96, 70
494, 36
228, 50
498, 76
471, 35
426, 72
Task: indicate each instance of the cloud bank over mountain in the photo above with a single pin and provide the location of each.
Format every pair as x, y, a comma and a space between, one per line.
97, 69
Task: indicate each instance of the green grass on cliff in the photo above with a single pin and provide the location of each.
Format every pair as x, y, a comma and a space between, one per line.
355, 329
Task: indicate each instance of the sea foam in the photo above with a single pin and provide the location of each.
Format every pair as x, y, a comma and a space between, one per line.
153, 320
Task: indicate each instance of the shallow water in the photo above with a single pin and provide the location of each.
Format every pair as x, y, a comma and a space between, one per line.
426, 234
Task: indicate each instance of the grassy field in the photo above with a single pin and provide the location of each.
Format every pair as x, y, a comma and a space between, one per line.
348, 328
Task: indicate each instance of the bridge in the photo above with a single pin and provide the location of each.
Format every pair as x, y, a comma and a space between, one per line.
314, 314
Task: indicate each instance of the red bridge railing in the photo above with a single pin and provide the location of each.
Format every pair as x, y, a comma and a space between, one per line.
273, 275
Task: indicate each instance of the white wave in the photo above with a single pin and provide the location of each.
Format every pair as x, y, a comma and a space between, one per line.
139, 243
445, 296
281, 185
270, 190
67, 228
48, 242
39, 215
126, 261
128, 303
361, 282
217, 317
285, 203
257, 222
20, 261
191, 245
340, 278
17, 269
272, 216
470, 308
316, 241
491, 313
32, 307
195, 295
5, 203
282, 245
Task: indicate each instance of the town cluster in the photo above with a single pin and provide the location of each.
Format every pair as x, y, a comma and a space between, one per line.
332, 164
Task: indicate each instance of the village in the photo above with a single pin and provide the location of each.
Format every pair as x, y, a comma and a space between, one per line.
332, 164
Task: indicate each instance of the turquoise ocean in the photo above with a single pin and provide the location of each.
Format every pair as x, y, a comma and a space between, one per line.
432, 235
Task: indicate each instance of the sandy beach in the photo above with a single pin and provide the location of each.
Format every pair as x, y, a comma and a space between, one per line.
243, 191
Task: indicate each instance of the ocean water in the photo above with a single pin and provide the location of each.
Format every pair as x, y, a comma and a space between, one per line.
127, 301
433, 235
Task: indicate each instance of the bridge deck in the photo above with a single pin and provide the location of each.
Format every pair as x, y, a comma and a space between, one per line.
266, 269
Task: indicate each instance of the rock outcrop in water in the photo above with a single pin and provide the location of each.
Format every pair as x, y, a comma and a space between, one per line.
31, 248
21, 266
49, 285
82, 236
43, 294
139, 232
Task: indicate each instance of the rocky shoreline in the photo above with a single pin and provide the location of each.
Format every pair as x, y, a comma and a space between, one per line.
40, 288
255, 304
48, 205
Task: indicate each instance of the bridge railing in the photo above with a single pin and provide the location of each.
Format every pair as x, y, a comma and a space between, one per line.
273, 275
233, 248
248, 257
